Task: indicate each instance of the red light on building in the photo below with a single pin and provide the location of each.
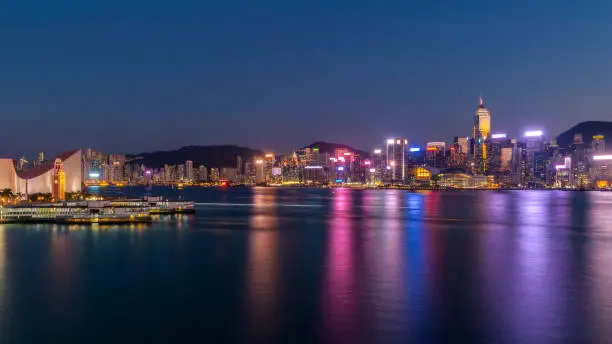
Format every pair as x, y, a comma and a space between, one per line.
223, 183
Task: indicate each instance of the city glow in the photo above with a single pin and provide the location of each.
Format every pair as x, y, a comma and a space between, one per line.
398, 141
392, 163
367, 162
347, 154
340, 168
259, 161
560, 167
333, 159
430, 149
534, 133
314, 167
390, 141
269, 155
377, 151
94, 175
372, 170
341, 158
388, 167
499, 136
415, 149
602, 157
405, 142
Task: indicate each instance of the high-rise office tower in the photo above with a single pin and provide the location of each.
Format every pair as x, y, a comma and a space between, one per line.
268, 162
534, 143
460, 152
496, 143
396, 158
482, 128
378, 163
436, 154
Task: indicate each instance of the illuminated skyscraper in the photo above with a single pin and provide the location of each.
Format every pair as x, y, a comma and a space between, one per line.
460, 152
482, 128
396, 158
260, 175
496, 143
268, 163
436, 154
534, 168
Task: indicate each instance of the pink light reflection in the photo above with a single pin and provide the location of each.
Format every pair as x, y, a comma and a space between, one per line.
339, 308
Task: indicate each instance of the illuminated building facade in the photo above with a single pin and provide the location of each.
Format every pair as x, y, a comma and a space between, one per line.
260, 175
40, 179
482, 128
598, 144
396, 159
459, 152
268, 163
59, 181
601, 170
436, 154
420, 176
202, 174
534, 143
229, 174
455, 179
214, 175
189, 171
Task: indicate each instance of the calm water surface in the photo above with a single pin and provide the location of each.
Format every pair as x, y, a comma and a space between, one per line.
330, 266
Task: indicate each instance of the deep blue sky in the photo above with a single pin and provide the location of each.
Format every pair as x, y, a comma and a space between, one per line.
131, 76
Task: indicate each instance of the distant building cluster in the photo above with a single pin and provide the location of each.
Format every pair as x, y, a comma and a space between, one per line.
116, 169
487, 159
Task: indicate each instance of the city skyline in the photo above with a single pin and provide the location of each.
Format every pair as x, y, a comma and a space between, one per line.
129, 78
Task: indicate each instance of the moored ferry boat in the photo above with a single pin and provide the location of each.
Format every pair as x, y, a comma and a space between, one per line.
158, 206
74, 212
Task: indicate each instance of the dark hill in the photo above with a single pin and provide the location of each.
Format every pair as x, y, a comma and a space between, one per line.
587, 129
327, 147
210, 156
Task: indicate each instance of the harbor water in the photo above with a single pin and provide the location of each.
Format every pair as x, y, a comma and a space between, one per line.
274, 265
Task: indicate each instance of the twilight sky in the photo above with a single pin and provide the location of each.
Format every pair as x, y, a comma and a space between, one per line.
132, 76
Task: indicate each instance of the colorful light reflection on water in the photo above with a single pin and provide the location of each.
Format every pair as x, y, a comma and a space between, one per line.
303, 265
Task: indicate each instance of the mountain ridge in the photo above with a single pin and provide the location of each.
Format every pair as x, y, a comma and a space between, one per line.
218, 155
587, 129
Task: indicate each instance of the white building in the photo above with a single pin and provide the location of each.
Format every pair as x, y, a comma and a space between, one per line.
40, 178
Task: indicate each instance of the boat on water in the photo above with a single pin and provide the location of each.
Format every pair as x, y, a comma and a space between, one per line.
84, 212
157, 205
